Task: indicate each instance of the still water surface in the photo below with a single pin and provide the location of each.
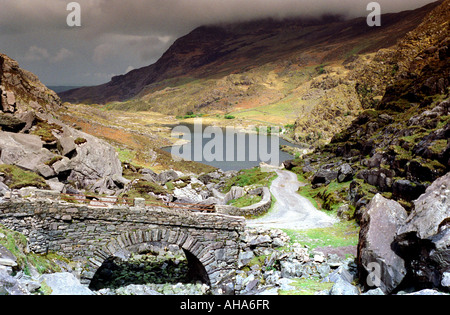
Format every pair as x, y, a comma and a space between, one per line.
257, 148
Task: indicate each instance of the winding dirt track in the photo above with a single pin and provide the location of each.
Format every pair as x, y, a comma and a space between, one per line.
291, 211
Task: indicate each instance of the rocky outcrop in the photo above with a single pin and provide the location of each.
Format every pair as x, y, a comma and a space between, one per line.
25, 151
33, 140
21, 91
423, 240
397, 251
400, 144
91, 162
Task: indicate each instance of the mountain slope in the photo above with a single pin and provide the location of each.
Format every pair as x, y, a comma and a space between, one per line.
217, 51
400, 145
305, 76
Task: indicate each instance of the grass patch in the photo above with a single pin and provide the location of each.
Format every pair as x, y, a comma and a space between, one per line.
340, 235
245, 201
126, 156
54, 160
16, 178
438, 146
230, 117
329, 197
307, 287
250, 177
16, 243
189, 115
80, 141
45, 130
141, 189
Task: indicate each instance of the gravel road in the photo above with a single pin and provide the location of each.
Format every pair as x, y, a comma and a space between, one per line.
291, 211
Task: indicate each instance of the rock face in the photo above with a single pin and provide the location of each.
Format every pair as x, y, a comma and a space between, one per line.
423, 241
33, 140
400, 143
21, 91
397, 251
95, 162
23, 150
375, 256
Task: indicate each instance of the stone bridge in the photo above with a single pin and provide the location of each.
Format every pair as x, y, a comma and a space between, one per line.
92, 235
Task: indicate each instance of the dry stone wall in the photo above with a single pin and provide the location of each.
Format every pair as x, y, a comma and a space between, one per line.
255, 210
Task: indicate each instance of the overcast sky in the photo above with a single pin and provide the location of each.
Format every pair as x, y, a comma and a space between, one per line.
117, 36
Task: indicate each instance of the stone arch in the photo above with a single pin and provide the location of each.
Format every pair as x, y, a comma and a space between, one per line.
124, 245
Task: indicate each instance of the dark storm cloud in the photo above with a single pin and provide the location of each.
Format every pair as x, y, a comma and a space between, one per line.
117, 35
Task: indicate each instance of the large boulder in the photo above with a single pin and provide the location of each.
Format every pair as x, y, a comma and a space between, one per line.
10, 123
378, 264
23, 150
94, 160
166, 177
7, 260
423, 241
324, 176
235, 193
65, 284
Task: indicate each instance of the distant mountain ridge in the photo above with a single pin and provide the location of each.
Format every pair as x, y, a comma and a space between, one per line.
63, 88
218, 51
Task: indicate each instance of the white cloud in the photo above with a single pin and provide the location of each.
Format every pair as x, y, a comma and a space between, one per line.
35, 53
62, 55
117, 33
102, 52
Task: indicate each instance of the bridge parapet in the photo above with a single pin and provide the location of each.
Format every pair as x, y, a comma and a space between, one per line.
91, 235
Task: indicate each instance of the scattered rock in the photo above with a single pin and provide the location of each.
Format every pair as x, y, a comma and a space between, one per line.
342, 287
324, 176
345, 173
380, 177
166, 176
10, 285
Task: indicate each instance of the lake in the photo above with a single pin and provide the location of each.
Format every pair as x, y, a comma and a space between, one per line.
227, 148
